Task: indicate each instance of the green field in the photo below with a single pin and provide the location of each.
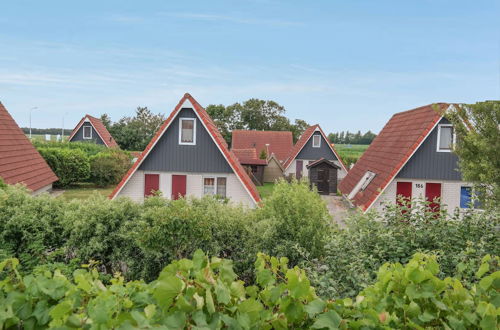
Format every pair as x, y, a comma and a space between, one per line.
350, 153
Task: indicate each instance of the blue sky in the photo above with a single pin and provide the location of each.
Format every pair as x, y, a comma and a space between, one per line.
346, 65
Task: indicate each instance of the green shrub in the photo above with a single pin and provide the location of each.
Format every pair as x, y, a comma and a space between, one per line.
205, 293
353, 255
95, 231
70, 165
108, 168
31, 229
89, 148
291, 219
170, 230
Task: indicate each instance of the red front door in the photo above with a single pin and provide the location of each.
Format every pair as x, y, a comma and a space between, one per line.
151, 184
403, 193
298, 172
178, 186
433, 192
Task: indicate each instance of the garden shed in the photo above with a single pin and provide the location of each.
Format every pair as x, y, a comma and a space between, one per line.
323, 174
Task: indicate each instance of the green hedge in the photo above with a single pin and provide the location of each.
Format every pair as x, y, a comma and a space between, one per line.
89, 148
70, 165
85, 162
108, 167
205, 293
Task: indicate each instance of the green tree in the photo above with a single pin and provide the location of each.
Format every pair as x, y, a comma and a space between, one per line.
477, 127
263, 154
134, 133
254, 114
106, 121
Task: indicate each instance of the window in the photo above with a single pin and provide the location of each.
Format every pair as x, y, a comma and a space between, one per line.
87, 132
445, 138
221, 187
468, 198
316, 141
362, 184
210, 187
187, 132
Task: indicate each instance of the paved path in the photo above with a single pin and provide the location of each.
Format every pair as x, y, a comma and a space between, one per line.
338, 208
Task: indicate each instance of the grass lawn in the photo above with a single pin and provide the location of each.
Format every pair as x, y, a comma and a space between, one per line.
84, 191
266, 190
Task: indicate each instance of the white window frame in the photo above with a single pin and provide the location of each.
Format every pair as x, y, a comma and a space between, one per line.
453, 138
194, 131
362, 184
84, 137
216, 192
319, 141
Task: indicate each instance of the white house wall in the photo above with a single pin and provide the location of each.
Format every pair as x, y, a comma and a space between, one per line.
450, 193
134, 188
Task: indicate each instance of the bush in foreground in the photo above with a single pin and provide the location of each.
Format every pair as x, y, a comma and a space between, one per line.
205, 293
353, 255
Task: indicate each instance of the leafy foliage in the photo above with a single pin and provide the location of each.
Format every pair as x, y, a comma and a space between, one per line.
134, 133
352, 255
70, 165
352, 138
478, 140
89, 148
108, 168
254, 114
291, 219
205, 293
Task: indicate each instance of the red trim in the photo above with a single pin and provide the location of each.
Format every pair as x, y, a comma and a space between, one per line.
219, 140
99, 128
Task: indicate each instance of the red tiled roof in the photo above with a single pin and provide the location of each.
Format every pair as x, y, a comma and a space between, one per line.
248, 156
280, 142
213, 131
390, 150
100, 129
20, 162
302, 142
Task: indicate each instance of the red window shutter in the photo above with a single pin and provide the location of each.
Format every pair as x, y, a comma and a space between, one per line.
178, 186
151, 184
432, 192
403, 193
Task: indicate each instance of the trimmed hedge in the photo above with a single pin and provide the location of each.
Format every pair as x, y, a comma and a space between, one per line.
70, 165
108, 168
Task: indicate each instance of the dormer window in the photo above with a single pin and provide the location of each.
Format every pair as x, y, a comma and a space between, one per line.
87, 132
446, 138
362, 184
187, 131
316, 141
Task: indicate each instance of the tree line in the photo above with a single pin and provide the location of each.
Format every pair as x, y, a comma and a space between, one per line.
352, 138
135, 132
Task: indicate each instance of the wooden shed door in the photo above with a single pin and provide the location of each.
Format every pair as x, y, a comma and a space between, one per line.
178, 186
403, 190
151, 184
433, 191
299, 164
323, 181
